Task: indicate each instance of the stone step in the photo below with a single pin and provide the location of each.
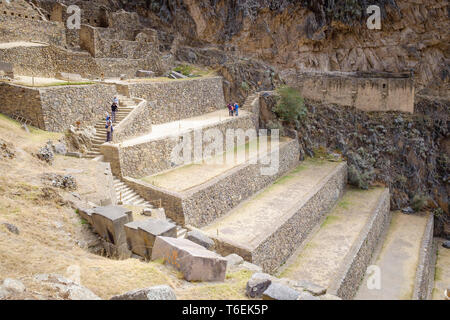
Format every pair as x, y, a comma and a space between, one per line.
267, 228
338, 253
399, 258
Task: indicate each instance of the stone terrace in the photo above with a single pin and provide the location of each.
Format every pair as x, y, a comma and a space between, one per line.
269, 227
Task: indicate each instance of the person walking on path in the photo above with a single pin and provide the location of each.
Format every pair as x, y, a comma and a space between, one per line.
114, 108
109, 130
236, 109
116, 101
230, 109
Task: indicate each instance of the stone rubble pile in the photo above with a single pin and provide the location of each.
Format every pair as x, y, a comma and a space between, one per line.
66, 182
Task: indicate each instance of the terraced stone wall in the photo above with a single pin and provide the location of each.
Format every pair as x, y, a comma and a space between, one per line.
15, 28
153, 156
180, 99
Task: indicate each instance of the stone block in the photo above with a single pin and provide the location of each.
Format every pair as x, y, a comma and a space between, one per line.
141, 235
145, 74
194, 261
201, 239
153, 293
109, 223
277, 291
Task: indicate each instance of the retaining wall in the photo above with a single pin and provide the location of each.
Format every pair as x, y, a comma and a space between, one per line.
56, 108
14, 28
423, 283
180, 99
153, 156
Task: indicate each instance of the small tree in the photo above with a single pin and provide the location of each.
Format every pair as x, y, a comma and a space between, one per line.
290, 106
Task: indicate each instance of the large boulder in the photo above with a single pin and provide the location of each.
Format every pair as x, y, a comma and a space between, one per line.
141, 235
194, 261
153, 293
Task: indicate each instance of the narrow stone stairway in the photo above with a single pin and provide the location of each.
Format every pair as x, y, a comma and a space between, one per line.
126, 105
130, 197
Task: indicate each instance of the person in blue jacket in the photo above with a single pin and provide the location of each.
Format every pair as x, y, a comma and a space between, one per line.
236, 109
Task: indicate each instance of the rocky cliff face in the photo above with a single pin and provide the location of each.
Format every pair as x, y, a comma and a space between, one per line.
323, 35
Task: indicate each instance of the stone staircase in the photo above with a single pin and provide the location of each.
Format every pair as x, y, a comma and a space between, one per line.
126, 105
130, 197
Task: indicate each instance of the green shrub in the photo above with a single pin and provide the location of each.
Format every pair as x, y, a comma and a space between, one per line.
245, 86
290, 105
184, 69
419, 202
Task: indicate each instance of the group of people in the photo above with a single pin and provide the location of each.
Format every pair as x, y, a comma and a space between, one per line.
233, 109
110, 119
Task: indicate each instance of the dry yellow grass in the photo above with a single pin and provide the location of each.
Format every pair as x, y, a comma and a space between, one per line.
50, 230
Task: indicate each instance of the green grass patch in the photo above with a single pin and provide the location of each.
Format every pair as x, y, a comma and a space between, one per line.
344, 204
329, 220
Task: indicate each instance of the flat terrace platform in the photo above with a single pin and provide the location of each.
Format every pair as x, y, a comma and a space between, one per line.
10, 45
184, 178
325, 252
177, 128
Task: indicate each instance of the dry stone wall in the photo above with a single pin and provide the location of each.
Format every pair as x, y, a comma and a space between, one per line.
208, 202
56, 108
22, 101
64, 106
180, 99
14, 28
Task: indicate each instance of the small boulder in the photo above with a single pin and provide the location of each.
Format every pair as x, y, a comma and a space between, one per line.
60, 148
13, 286
11, 228
258, 283
234, 260
446, 244
153, 293
201, 239
278, 291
